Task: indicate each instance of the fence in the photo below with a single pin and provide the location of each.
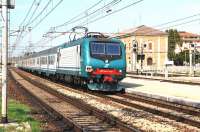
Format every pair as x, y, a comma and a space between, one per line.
172, 70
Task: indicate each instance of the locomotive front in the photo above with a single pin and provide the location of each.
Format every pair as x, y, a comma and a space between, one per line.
105, 64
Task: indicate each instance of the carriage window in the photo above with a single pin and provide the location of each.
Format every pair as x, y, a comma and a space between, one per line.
34, 61
43, 60
38, 61
51, 60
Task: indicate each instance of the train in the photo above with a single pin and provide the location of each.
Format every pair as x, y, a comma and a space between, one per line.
94, 61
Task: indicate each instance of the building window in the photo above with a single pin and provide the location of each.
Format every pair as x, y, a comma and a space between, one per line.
150, 46
149, 61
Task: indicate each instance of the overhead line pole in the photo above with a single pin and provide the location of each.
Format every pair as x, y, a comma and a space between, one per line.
4, 118
5, 4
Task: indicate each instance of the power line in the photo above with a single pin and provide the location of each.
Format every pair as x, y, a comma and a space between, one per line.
194, 20
42, 19
79, 14
112, 3
177, 20
40, 13
27, 13
180, 19
38, 4
134, 3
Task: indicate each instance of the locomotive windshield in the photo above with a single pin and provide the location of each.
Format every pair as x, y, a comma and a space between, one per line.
105, 50
113, 49
98, 48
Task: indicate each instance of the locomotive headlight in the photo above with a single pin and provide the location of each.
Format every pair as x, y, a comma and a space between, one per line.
120, 71
88, 69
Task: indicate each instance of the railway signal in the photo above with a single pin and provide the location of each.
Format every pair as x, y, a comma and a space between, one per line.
135, 44
140, 56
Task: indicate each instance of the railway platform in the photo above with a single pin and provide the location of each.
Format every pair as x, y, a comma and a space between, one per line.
186, 93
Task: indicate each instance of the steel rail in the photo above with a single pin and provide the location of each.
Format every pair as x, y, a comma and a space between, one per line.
86, 107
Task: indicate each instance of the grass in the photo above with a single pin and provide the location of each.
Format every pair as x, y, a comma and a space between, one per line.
18, 112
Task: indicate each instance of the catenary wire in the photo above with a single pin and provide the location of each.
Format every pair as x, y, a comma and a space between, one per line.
80, 14
38, 4
40, 13
42, 19
27, 13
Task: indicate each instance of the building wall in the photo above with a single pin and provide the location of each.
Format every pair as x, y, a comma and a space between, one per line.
157, 50
189, 38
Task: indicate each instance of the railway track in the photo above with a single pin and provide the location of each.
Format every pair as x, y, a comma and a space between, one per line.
178, 113
79, 116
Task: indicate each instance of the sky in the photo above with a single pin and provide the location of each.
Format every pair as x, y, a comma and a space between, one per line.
148, 12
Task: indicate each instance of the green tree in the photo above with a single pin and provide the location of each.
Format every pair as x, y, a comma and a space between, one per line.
173, 39
181, 57
197, 57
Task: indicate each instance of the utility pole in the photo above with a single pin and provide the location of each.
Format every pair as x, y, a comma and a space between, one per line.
5, 4
4, 60
30, 42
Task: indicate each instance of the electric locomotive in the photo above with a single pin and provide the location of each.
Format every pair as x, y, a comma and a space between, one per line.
104, 63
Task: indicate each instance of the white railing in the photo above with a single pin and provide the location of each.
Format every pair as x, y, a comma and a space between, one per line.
185, 70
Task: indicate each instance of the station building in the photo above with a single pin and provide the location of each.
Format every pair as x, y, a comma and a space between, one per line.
147, 41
